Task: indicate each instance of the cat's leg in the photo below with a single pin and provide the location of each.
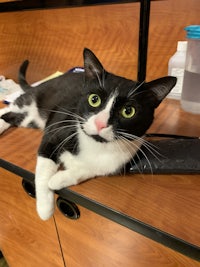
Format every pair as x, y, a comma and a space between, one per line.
10, 116
69, 177
45, 169
77, 172
26, 116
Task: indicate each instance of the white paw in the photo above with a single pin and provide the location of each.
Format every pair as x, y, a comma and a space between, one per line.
45, 206
61, 180
3, 126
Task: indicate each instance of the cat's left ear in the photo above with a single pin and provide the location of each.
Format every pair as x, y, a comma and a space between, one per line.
160, 88
93, 67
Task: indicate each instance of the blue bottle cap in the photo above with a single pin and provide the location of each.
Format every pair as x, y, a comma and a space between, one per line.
193, 31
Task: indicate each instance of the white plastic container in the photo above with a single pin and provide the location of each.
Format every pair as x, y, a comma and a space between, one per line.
190, 98
176, 67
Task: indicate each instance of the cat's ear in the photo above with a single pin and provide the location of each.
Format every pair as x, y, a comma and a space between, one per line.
93, 67
160, 88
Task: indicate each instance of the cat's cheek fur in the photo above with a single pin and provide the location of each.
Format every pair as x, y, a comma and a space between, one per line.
45, 169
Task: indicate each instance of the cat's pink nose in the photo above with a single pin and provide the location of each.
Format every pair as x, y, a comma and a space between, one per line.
100, 124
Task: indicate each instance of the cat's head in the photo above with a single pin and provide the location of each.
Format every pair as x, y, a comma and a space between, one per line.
114, 107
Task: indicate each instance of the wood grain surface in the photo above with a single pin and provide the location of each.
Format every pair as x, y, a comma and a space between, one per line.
169, 202
54, 39
25, 240
95, 241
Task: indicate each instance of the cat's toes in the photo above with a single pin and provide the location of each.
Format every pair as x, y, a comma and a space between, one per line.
45, 212
3, 126
45, 207
59, 181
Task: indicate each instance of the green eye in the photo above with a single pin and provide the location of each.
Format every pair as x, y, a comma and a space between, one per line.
94, 100
128, 112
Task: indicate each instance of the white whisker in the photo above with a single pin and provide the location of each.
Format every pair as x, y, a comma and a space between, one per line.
149, 146
68, 113
56, 130
63, 143
121, 151
129, 146
59, 122
131, 93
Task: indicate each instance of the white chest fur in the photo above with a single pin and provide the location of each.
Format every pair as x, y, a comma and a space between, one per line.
100, 158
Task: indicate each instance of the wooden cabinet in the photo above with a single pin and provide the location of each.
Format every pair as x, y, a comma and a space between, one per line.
94, 241
89, 241
25, 240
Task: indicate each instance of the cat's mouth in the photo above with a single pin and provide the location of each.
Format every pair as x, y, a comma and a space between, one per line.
104, 135
97, 138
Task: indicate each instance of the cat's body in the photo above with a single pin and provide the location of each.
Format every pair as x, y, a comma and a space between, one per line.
93, 124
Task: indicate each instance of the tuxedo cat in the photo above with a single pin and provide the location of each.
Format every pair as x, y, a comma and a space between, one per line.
93, 122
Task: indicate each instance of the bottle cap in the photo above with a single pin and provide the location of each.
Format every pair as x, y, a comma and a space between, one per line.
182, 46
193, 31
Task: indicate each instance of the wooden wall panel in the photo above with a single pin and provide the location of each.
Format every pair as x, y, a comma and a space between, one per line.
167, 22
54, 39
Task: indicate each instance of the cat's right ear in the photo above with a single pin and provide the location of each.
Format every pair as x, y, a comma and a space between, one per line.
93, 67
160, 88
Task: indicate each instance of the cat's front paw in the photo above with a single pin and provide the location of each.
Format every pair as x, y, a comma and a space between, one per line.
45, 206
61, 180
45, 212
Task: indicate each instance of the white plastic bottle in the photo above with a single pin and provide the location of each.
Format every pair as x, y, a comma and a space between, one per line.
176, 67
190, 98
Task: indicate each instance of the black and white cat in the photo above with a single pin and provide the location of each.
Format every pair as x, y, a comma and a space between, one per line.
93, 124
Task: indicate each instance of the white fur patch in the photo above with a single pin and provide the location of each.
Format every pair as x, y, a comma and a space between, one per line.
91, 125
45, 169
32, 115
3, 126
94, 159
4, 111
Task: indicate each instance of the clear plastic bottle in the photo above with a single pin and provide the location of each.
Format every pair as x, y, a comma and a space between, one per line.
176, 67
190, 98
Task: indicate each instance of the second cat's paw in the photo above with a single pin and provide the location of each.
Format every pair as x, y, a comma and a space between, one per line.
60, 180
3, 125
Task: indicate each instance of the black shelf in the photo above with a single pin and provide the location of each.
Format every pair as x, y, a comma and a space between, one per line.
21, 5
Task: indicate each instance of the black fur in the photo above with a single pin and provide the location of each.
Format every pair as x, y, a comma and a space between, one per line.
58, 98
14, 118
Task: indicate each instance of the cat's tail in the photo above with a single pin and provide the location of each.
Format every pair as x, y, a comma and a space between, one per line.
22, 76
